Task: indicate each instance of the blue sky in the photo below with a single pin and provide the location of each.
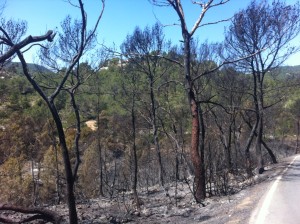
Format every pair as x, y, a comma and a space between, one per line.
121, 17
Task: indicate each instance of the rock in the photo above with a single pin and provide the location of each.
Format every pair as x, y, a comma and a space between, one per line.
113, 220
124, 220
147, 212
103, 217
136, 213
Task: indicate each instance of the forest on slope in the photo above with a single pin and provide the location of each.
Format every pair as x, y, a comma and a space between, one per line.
31, 163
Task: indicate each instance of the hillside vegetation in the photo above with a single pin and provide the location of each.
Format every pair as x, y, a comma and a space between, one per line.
31, 163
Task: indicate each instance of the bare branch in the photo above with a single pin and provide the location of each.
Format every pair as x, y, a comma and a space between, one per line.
83, 43
160, 3
272, 104
216, 22
30, 39
201, 16
198, 3
222, 2
71, 3
205, 8
168, 82
97, 23
225, 63
33, 46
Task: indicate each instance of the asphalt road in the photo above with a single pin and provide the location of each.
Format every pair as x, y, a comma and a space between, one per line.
281, 203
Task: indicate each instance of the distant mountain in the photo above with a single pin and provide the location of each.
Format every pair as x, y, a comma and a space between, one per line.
15, 68
289, 70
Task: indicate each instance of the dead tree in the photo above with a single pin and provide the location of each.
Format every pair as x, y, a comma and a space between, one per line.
15, 48
268, 34
142, 49
196, 118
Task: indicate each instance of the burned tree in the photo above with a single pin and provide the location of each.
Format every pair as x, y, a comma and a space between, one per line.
84, 37
264, 31
196, 118
143, 49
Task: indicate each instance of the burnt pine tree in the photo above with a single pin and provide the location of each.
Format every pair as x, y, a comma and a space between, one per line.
143, 49
129, 94
11, 42
196, 115
267, 37
13, 48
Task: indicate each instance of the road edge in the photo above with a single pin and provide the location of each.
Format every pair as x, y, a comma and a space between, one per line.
260, 212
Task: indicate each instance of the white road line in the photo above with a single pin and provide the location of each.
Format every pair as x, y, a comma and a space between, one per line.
266, 204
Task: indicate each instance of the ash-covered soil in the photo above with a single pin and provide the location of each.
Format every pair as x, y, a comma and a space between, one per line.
174, 204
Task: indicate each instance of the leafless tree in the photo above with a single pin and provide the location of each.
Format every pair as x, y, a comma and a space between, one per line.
131, 90
142, 49
266, 29
196, 118
9, 41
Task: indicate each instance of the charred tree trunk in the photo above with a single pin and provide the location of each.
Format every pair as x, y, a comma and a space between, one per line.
37, 214
273, 157
199, 181
194, 150
100, 159
155, 131
78, 131
57, 175
229, 154
99, 152
134, 152
62, 140
68, 168
260, 116
202, 148
247, 148
260, 164
254, 127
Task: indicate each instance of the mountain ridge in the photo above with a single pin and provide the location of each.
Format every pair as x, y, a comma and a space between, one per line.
15, 68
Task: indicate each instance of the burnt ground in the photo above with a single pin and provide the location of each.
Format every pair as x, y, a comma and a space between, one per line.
159, 206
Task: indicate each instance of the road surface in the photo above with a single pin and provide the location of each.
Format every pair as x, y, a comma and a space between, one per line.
281, 203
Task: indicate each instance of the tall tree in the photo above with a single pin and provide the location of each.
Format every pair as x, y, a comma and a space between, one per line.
269, 35
230, 87
143, 49
129, 92
196, 118
84, 37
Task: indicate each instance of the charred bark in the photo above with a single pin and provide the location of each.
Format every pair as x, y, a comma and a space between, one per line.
62, 140
49, 36
37, 213
272, 155
199, 181
134, 152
